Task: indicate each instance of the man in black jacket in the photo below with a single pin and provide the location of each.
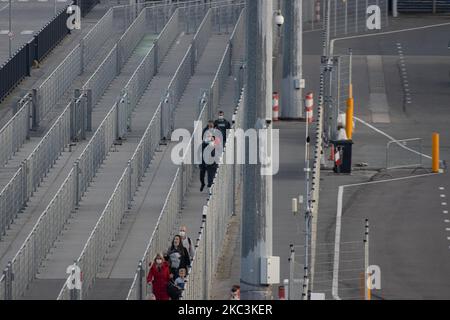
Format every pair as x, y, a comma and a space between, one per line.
211, 138
223, 125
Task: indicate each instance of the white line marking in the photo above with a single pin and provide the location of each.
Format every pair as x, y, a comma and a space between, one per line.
444, 203
448, 238
445, 212
443, 196
337, 244
4, 31
447, 229
27, 32
442, 188
447, 221
337, 238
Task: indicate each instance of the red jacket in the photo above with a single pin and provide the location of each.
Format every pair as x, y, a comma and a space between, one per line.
159, 280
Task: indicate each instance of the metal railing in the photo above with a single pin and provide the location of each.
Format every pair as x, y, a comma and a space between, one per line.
15, 132
112, 127
133, 173
165, 226
29, 175
216, 213
95, 38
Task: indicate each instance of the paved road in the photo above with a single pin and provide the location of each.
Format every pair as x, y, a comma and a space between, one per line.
409, 236
27, 18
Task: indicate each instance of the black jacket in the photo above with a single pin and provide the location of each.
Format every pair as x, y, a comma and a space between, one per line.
223, 125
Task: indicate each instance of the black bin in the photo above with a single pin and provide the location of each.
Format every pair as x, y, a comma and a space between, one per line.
345, 148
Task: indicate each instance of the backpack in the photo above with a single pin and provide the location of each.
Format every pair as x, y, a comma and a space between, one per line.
173, 291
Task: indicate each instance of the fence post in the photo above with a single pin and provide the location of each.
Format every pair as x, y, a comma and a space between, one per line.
367, 292
35, 109
82, 49
291, 273
140, 278
207, 243
24, 183
8, 278
130, 191
77, 183
88, 94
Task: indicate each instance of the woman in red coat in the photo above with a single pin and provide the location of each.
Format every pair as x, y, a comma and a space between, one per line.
159, 277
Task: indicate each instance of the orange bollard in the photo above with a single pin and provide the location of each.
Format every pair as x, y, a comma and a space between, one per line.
435, 155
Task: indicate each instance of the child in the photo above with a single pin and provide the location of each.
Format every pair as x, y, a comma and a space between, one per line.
179, 282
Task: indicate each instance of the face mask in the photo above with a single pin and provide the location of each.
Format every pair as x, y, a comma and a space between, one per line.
182, 233
158, 261
221, 117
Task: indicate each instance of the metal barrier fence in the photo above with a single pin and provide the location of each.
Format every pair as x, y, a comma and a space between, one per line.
102, 77
14, 134
52, 89
86, 6
313, 11
164, 229
26, 262
95, 38
112, 127
351, 16
234, 51
19, 65
216, 213
133, 173
13, 71
29, 175
407, 153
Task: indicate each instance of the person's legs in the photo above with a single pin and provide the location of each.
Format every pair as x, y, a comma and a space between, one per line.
211, 174
202, 176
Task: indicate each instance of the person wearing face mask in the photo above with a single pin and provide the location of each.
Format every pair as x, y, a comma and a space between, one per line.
223, 125
159, 277
211, 138
187, 242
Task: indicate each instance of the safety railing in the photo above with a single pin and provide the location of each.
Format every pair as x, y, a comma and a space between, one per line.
133, 173
15, 132
234, 51
164, 229
95, 38
216, 213
112, 127
29, 175
26, 262
49, 92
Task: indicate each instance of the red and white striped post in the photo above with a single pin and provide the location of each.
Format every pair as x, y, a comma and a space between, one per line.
275, 106
317, 10
309, 104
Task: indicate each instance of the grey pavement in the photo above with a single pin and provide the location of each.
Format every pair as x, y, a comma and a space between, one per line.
409, 237
27, 18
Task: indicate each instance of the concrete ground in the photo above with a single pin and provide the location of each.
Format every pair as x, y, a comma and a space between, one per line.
409, 234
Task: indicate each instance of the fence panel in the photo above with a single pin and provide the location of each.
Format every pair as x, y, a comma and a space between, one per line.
48, 150
94, 40
51, 34
103, 234
103, 76
168, 35
13, 71
15, 132
87, 5
53, 88
26, 262
131, 38
98, 147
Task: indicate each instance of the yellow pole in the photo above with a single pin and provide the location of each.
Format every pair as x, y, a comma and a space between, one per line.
435, 157
350, 113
